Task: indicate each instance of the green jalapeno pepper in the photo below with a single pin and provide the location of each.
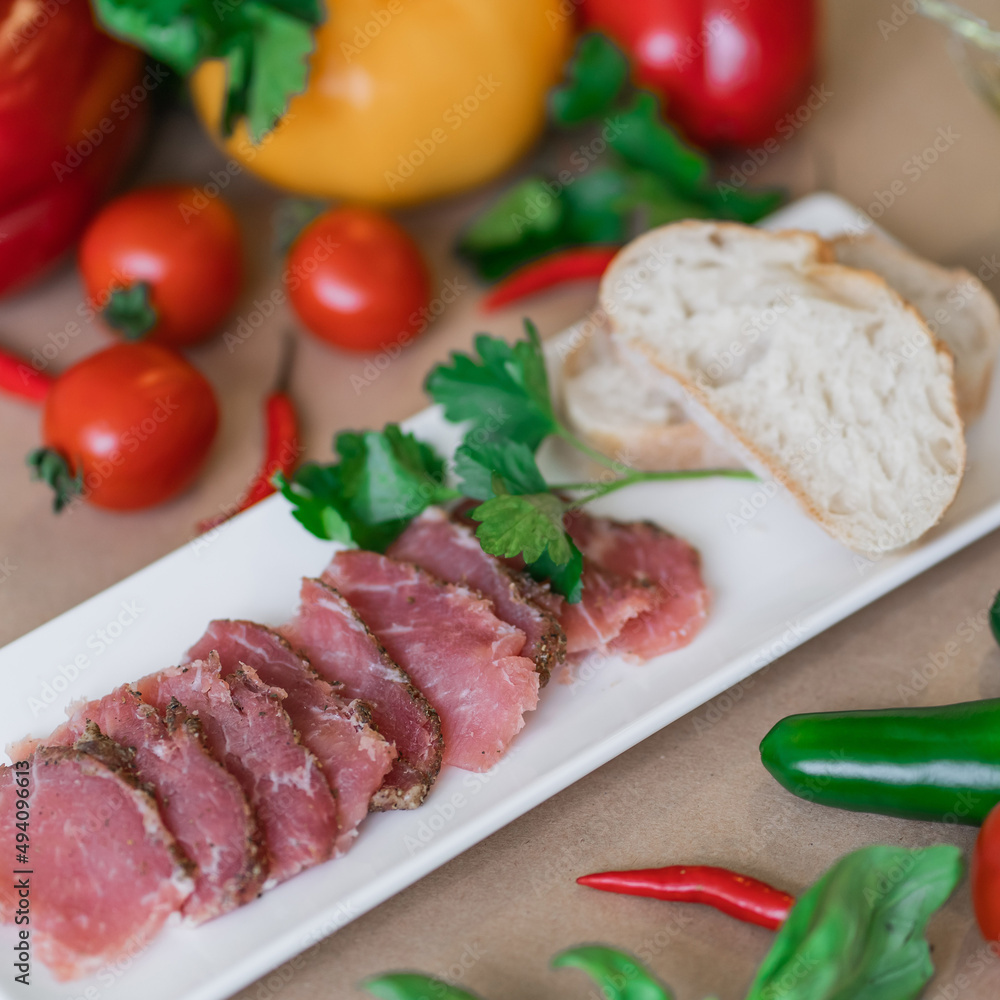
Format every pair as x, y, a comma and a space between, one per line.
939, 763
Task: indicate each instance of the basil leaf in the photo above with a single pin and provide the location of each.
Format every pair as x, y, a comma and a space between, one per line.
412, 986
858, 933
503, 391
995, 617
597, 73
618, 976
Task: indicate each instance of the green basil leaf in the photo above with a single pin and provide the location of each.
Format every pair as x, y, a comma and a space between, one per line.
618, 976
526, 525
858, 933
413, 986
503, 391
597, 73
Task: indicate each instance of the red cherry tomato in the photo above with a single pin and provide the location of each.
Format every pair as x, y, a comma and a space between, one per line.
184, 247
134, 421
985, 877
358, 281
730, 71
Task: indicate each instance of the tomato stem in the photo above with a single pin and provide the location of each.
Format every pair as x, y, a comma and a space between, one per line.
51, 467
130, 311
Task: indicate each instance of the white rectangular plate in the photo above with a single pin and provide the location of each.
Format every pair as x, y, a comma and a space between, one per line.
777, 580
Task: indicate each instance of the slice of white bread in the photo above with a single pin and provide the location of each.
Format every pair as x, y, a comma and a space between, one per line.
954, 303
626, 414
819, 376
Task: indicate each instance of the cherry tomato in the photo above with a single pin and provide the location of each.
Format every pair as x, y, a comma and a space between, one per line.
358, 281
985, 877
134, 422
163, 263
730, 71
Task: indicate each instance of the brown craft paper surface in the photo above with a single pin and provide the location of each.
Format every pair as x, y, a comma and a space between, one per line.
695, 792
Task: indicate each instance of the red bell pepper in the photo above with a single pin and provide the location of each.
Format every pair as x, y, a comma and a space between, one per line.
73, 105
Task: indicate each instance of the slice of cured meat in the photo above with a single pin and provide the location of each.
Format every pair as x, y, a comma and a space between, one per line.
649, 555
250, 734
201, 803
354, 756
343, 651
462, 657
608, 600
447, 548
106, 873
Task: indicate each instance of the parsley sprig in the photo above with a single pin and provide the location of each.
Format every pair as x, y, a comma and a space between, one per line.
500, 392
646, 176
264, 44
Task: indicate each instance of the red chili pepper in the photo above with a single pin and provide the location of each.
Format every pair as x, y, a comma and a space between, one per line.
556, 269
281, 448
737, 895
19, 378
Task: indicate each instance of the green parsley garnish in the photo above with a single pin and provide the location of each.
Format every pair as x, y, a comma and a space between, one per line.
265, 45
633, 172
383, 479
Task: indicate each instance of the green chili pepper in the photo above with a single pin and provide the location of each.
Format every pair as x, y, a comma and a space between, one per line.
940, 763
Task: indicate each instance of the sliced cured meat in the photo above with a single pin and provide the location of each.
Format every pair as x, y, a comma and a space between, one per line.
448, 548
608, 600
343, 650
355, 758
652, 556
446, 637
250, 734
106, 873
201, 803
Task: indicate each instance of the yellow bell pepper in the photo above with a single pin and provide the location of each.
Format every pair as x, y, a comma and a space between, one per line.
407, 99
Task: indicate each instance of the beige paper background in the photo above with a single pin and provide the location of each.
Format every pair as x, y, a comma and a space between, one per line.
491, 919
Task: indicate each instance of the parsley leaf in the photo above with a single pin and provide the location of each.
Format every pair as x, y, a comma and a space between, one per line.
383, 480
493, 470
504, 392
648, 176
264, 43
646, 142
527, 525
565, 579
597, 74
513, 462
